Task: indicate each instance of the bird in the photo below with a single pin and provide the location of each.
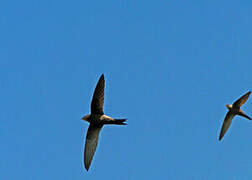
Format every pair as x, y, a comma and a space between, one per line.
96, 120
234, 109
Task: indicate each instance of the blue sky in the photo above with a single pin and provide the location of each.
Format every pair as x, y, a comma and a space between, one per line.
170, 67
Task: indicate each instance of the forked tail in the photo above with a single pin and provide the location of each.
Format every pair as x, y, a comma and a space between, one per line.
119, 121
241, 113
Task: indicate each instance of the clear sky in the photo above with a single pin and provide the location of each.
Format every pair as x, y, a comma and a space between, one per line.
170, 67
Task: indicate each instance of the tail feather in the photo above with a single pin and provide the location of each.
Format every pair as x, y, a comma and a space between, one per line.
119, 122
241, 113
249, 118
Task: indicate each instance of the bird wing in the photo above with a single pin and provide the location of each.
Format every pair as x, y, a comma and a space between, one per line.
242, 100
98, 97
226, 123
91, 144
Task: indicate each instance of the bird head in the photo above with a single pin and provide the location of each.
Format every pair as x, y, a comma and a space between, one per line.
229, 106
86, 118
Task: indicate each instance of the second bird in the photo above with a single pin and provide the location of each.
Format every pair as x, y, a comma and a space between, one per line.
97, 119
234, 109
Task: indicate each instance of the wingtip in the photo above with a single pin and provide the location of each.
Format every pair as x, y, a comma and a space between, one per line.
102, 77
86, 167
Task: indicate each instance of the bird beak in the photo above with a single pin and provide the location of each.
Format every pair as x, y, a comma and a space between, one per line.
228, 106
84, 118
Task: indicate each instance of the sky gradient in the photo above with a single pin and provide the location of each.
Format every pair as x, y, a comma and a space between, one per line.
170, 67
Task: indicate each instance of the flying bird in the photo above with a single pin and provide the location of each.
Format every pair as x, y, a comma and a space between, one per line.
234, 109
96, 120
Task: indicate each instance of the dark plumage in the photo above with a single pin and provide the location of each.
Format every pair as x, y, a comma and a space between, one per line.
234, 109
97, 119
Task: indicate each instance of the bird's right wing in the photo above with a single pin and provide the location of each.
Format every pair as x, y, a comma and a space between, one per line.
226, 123
98, 97
241, 100
91, 144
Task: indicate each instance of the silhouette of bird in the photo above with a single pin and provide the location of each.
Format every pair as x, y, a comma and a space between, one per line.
97, 119
234, 109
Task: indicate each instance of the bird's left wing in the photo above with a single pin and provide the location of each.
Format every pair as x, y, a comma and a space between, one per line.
226, 123
242, 100
91, 144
